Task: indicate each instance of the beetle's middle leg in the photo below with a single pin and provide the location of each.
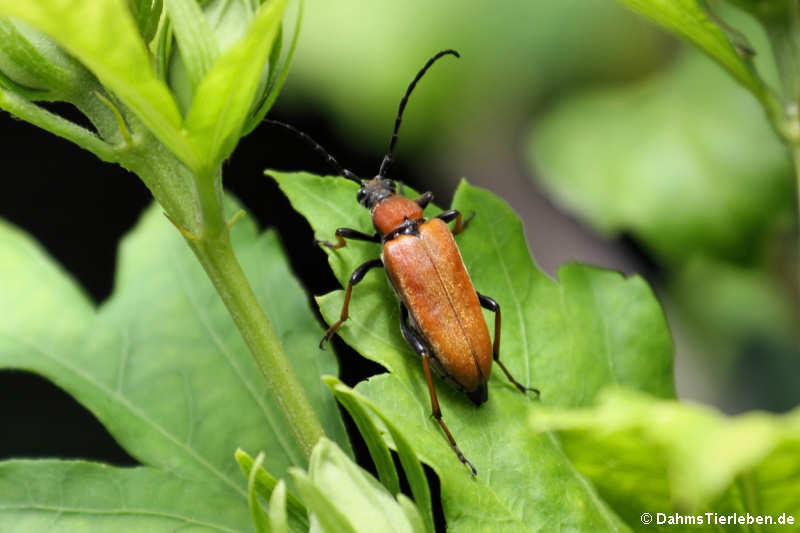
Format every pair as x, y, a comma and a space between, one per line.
413, 338
347, 233
355, 277
452, 214
493, 306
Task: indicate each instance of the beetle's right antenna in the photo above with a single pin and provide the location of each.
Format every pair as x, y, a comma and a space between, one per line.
319, 149
387, 159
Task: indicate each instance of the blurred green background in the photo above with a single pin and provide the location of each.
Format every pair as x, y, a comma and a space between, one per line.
618, 146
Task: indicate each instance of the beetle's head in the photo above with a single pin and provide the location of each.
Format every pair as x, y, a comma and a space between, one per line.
374, 191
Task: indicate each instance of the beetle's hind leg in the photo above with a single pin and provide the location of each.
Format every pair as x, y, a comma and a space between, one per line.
413, 338
493, 306
454, 214
347, 233
357, 275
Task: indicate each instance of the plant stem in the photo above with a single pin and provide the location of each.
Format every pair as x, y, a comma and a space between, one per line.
783, 30
213, 248
782, 25
194, 203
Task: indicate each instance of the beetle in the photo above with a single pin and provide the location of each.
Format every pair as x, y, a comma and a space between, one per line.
440, 310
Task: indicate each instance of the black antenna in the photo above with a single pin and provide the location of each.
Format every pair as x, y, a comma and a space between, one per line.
319, 149
387, 159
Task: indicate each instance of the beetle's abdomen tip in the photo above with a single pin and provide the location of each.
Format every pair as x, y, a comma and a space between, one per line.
479, 395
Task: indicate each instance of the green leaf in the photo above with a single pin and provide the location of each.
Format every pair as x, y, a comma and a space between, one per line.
570, 339
78, 496
345, 498
161, 364
277, 78
260, 522
114, 51
147, 14
377, 447
355, 402
685, 161
326, 516
195, 38
266, 485
223, 99
36, 63
412, 513
689, 20
646, 454
278, 519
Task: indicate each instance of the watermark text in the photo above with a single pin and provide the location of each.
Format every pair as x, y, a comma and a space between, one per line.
716, 519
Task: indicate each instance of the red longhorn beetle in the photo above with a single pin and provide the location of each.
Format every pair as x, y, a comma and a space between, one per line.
440, 310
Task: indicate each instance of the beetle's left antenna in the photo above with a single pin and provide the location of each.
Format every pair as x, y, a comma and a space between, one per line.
387, 159
318, 148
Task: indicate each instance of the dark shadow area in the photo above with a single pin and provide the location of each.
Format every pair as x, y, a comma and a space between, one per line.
39, 419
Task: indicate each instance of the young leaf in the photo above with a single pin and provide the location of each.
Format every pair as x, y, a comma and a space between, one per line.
377, 447
276, 78
161, 364
114, 51
224, 97
36, 63
649, 455
266, 485
412, 513
278, 519
344, 497
326, 515
570, 339
84, 497
260, 522
357, 403
195, 38
147, 14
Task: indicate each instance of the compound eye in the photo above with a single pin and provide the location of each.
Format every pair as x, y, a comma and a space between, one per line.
362, 194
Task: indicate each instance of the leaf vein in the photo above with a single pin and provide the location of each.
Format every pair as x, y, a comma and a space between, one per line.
205, 322
131, 408
61, 510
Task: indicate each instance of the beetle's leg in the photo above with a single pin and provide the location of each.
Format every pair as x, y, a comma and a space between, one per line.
447, 216
493, 306
347, 233
355, 277
424, 199
413, 338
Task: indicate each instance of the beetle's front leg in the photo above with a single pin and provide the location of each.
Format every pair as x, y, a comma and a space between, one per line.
492, 305
357, 275
448, 216
347, 233
413, 338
